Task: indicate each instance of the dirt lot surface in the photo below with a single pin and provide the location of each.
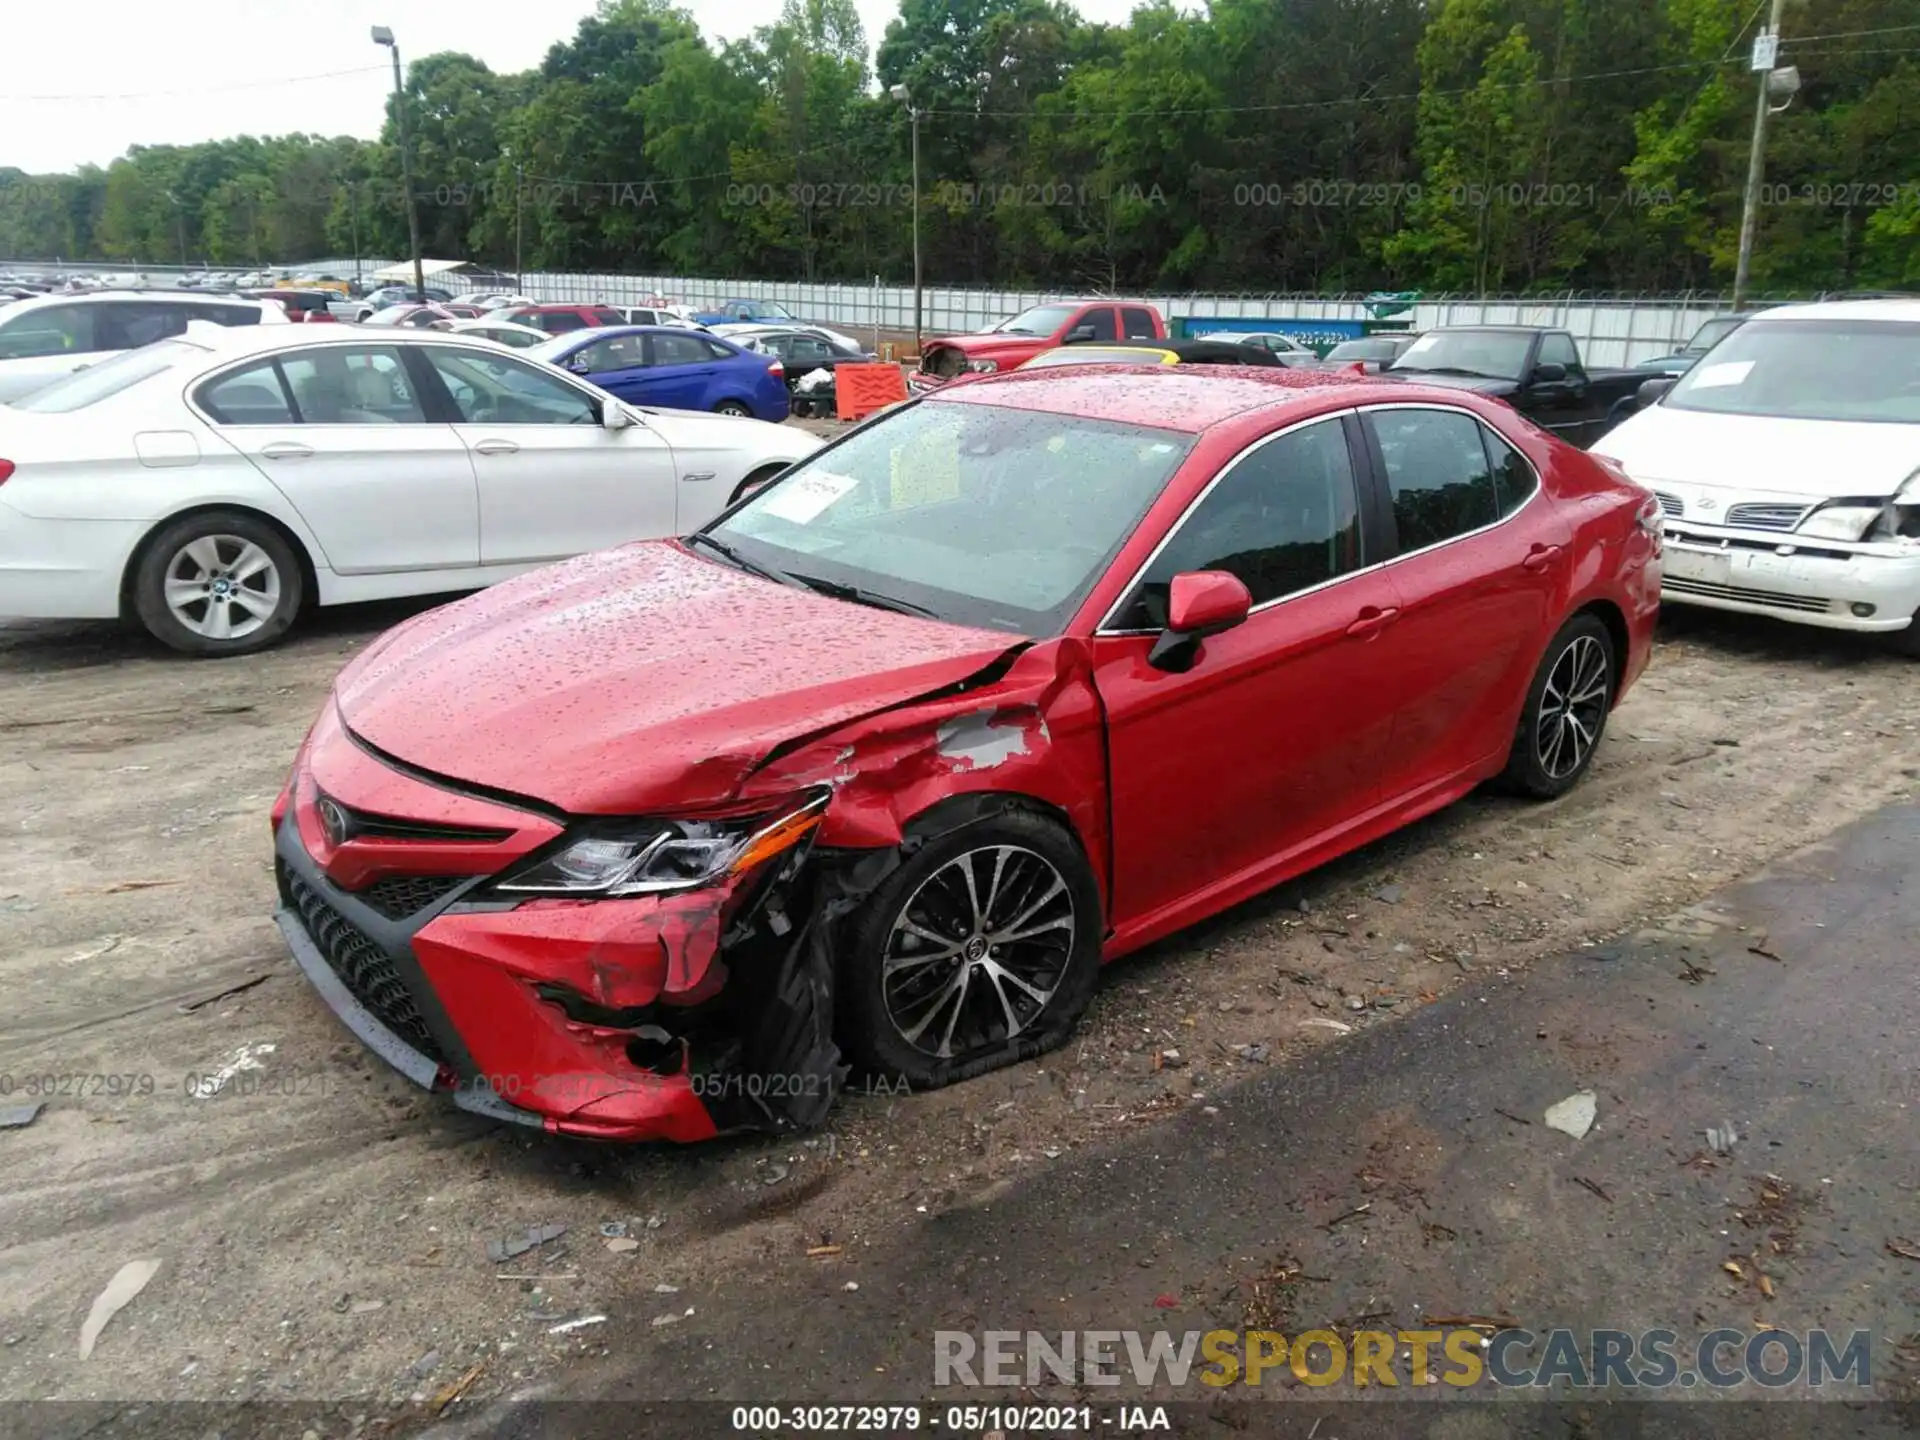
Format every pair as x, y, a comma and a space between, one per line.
321, 1227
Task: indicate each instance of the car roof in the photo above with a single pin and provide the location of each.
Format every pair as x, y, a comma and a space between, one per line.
1908, 310
1187, 398
603, 332
229, 342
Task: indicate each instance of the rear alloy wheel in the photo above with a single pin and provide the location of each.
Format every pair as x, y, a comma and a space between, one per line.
1566, 711
222, 583
733, 407
980, 950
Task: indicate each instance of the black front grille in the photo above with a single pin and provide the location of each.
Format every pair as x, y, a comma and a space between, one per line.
363, 967
400, 897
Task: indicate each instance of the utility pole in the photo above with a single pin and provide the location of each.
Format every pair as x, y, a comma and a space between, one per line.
519, 193
901, 94
353, 219
383, 36
1766, 50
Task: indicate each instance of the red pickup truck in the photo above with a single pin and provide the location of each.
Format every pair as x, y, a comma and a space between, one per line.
1008, 344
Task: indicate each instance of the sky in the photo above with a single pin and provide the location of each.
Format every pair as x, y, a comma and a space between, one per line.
74, 93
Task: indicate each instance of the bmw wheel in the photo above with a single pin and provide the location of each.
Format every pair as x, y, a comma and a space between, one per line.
981, 949
1566, 711
219, 583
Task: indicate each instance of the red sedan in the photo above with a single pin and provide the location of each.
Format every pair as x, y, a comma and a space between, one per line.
1007, 682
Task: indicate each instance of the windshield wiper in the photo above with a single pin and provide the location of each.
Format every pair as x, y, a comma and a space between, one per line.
727, 552
841, 591
1448, 370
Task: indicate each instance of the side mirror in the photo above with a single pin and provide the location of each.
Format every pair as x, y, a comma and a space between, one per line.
1199, 603
1549, 373
1080, 332
614, 416
1650, 391
577, 364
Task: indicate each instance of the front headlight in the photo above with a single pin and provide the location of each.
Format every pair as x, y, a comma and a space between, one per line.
651, 857
1840, 522
983, 367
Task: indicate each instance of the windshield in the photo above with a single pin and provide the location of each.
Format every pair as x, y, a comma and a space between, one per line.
1810, 370
1040, 320
1491, 354
100, 382
981, 515
1711, 334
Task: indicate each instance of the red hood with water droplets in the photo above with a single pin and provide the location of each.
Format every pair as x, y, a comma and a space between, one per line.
638, 680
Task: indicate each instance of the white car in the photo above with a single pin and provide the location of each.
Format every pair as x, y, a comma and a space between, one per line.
735, 328
501, 332
1787, 460
50, 336
216, 485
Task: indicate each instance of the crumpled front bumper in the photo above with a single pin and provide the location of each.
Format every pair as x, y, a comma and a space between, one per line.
667, 1017
449, 1000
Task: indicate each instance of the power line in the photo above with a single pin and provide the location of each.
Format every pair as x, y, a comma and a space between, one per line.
1856, 34
204, 89
1538, 82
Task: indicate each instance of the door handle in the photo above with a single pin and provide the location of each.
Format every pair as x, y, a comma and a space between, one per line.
1540, 557
497, 447
1372, 621
286, 450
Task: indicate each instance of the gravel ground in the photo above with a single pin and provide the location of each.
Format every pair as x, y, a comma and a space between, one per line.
321, 1227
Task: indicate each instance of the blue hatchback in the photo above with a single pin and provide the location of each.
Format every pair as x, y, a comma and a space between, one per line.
671, 368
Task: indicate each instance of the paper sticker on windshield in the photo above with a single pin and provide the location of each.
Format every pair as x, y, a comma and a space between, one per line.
805, 496
1727, 372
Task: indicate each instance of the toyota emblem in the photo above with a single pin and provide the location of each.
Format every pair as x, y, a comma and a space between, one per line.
334, 821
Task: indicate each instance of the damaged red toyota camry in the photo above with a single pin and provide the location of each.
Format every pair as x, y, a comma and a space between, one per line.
878, 768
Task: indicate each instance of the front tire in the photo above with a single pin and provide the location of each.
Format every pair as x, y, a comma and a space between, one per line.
219, 583
1566, 711
1907, 642
980, 950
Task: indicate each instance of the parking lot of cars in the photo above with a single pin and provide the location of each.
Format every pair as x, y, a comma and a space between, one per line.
1056, 662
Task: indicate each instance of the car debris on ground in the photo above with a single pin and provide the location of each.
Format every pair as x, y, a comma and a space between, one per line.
1573, 1115
128, 1281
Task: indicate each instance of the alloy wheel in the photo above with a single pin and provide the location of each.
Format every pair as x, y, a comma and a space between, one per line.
1572, 707
222, 587
977, 951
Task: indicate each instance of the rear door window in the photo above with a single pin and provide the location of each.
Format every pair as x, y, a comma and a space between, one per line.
1101, 320
352, 385
1138, 323
558, 322
1437, 473
677, 350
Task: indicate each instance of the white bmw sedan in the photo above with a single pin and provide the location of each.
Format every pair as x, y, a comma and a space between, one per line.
215, 486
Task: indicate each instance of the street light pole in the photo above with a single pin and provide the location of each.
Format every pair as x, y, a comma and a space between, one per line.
383, 36
901, 94
1756, 159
